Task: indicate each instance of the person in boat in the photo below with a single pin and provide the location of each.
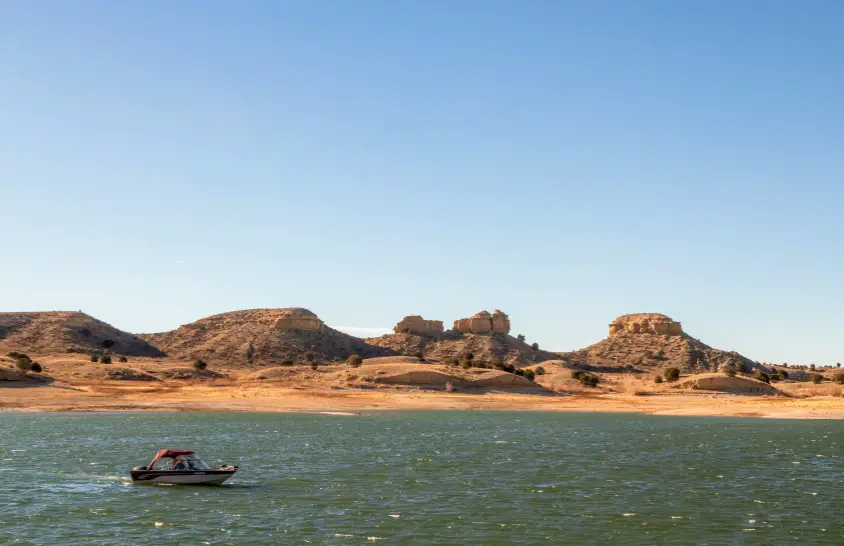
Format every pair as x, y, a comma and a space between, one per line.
180, 464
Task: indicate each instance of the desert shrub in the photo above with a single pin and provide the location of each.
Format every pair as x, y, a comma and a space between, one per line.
775, 376
95, 358
123, 359
519, 372
521, 338
420, 355
762, 376
314, 365
731, 372
590, 380
498, 364
466, 365
35, 368
658, 379
540, 370
812, 367
309, 357
199, 364
534, 346
838, 377
509, 368
817, 378
577, 374
16, 355
481, 364
672, 374
529, 374
354, 361
105, 359
286, 362
23, 364
469, 356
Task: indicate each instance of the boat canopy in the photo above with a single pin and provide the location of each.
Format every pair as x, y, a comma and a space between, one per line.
173, 453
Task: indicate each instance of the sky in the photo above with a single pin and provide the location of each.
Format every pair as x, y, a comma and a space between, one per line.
565, 161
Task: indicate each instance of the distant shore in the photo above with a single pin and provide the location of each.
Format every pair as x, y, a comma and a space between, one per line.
116, 396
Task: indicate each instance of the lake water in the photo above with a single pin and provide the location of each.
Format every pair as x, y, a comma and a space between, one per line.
440, 477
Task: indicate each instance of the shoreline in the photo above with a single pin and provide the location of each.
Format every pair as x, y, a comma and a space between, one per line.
114, 398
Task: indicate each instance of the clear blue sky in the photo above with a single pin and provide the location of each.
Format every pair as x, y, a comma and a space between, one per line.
565, 161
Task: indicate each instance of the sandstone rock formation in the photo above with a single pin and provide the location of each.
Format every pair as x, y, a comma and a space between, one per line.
414, 324
484, 323
645, 323
297, 318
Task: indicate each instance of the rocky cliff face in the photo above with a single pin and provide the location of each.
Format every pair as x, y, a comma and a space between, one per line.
414, 324
484, 323
645, 323
297, 318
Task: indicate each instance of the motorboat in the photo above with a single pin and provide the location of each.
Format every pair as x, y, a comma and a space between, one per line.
181, 466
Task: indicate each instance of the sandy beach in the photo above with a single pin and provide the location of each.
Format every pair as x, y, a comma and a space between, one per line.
120, 396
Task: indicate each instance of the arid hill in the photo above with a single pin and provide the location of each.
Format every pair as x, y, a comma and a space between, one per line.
654, 340
484, 347
57, 332
267, 336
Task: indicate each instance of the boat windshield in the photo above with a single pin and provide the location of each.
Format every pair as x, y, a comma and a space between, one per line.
182, 462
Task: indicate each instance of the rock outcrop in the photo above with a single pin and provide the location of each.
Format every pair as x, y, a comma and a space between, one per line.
484, 323
415, 324
297, 318
645, 323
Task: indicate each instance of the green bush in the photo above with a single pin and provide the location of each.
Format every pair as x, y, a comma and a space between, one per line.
730, 372
105, 359
540, 370
577, 374
658, 379
817, 378
23, 364
35, 368
95, 358
521, 338
498, 364
534, 346
529, 374
466, 365
16, 355
354, 361
784, 374
314, 365
775, 376
762, 376
199, 364
672, 374
519, 372
286, 362
838, 377
123, 359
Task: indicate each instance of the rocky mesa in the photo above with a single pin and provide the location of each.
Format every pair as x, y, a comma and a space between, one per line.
655, 340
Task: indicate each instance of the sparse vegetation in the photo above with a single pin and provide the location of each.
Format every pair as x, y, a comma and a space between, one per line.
529, 374
199, 364
286, 362
95, 358
731, 372
658, 379
521, 338
838, 377
124, 360
817, 378
314, 365
354, 361
16, 355
105, 359
534, 346
540, 370
672, 374
762, 376
35, 367
23, 364
586, 379
309, 357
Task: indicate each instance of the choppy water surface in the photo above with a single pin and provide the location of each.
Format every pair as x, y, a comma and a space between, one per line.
425, 478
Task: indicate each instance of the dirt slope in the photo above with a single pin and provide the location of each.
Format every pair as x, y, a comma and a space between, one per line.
57, 332
250, 336
484, 348
652, 350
